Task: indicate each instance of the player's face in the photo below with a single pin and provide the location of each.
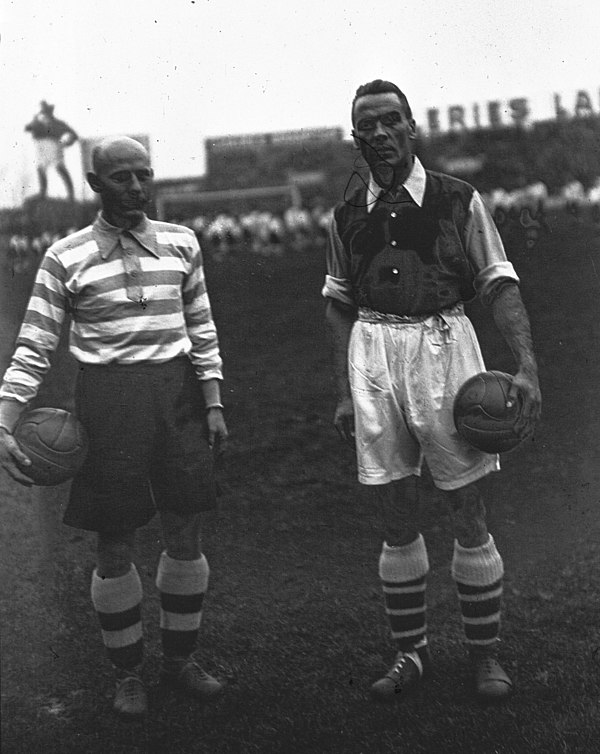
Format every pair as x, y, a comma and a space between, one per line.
383, 133
124, 182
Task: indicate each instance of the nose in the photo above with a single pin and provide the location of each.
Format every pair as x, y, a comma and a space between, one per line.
379, 130
134, 185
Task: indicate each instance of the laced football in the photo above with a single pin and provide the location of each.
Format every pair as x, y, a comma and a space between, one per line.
56, 443
481, 415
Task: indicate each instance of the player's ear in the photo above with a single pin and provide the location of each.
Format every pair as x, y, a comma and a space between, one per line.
93, 181
412, 129
355, 139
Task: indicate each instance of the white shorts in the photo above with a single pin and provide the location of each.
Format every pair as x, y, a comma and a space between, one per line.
48, 152
404, 377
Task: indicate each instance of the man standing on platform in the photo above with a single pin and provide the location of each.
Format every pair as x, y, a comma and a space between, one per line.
51, 136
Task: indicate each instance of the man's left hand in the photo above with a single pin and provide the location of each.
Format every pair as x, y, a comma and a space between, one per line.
67, 139
217, 430
526, 384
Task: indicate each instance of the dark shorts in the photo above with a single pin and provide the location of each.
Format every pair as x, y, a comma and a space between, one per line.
148, 446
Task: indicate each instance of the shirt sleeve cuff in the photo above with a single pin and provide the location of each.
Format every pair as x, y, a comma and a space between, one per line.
339, 289
10, 412
488, 279
203, 373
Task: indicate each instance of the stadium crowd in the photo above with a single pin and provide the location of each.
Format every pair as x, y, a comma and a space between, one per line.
259, 232
267, 233
25, 252
536, 198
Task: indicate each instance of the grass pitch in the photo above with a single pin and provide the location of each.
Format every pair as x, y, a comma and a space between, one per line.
294, 618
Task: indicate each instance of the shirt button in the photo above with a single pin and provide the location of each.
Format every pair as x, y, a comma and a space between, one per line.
393, 243
393, 214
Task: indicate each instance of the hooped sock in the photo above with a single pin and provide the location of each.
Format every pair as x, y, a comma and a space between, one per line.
118, 602
403, 572
182, 585
478, 572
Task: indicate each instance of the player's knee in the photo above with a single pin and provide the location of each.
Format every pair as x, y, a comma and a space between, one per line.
398, 507
114, 554
182, 536
465, 500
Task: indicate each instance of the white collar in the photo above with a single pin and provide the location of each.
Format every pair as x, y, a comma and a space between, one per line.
414, 184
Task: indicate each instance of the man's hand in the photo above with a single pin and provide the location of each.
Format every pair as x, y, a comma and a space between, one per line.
12, 458
217, 430
527, 385
67, 139
343, 420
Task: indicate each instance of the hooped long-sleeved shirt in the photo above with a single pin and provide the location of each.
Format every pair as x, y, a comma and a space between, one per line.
133, 296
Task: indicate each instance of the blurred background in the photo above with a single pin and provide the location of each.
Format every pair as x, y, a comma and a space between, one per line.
246, 109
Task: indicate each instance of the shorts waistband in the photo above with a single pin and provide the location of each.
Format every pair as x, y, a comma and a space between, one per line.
370, 315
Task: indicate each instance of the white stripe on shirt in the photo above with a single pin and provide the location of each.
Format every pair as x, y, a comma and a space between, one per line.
85, 274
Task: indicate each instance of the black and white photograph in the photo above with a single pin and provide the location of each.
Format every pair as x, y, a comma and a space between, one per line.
299, 377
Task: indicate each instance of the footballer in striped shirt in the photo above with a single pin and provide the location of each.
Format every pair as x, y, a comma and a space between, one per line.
148, 393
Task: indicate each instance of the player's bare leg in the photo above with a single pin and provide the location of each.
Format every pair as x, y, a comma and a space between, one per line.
117, 597
182, 535
182, 580
403, 568
477, 570
399, 506
114, 554
43, 180
66, 177
468, 516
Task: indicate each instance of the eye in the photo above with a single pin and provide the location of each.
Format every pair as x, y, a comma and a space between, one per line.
390, 119
366, 124
143, 175
122, 176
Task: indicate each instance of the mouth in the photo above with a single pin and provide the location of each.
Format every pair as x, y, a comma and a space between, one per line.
383, 154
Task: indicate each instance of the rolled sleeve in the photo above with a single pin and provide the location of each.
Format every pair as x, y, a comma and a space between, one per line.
337, 280
486, 251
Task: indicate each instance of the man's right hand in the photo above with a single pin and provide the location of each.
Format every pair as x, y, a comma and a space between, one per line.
343, 420
12, 458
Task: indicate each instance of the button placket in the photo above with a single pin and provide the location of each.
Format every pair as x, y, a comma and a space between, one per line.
133, 272
391, 225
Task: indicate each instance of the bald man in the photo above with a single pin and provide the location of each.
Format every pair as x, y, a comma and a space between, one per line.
148, 393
